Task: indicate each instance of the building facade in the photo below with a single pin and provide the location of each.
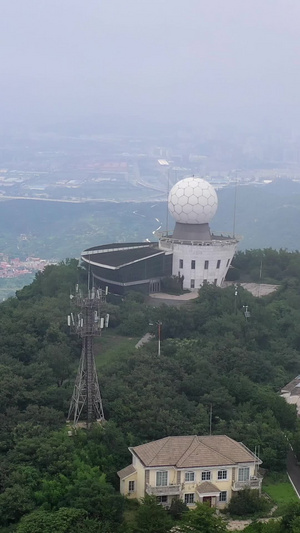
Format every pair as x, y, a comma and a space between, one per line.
207, 469
191, 252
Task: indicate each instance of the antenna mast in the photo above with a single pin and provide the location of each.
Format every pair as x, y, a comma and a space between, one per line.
86, 403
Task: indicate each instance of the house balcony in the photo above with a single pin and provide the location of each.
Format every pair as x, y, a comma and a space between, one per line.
252, 483
167, 490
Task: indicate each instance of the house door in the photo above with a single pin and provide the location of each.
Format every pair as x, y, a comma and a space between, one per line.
207, 500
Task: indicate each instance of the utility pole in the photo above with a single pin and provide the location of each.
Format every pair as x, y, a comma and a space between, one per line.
159, 324
210, 418
86, 403
235, 298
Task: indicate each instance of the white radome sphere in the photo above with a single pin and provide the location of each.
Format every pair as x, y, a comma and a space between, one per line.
193, 201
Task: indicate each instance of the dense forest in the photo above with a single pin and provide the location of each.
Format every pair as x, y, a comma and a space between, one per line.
212, 357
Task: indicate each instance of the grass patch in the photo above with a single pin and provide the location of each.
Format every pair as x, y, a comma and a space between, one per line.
280, 491
111, 348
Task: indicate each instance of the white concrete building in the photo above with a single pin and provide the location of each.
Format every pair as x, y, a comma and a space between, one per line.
198, 255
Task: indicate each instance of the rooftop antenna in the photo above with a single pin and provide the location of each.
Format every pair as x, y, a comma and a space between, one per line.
87, 320
260, 276
234, 206
168, 190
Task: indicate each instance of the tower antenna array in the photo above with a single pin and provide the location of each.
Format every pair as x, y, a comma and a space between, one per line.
86, 403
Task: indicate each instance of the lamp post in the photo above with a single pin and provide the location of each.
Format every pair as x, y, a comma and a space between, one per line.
159, 324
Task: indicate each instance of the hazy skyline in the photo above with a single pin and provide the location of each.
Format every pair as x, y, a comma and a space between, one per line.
199, 62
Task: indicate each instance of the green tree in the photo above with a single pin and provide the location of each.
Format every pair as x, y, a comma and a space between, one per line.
202, 519
62, 521
151, 517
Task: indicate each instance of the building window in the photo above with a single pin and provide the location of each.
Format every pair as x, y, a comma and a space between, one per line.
218, 263
205, 476
244, 473
189, 476
131, 487
189, 498
215, 281
193, 264
223, 496
206, 263
228, 261
180, 263
162, 478
162, 499
192, 283
222, 474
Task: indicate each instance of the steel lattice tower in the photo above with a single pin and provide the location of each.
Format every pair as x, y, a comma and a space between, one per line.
86, 403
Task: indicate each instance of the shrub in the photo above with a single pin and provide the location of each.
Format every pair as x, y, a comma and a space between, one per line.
247, 502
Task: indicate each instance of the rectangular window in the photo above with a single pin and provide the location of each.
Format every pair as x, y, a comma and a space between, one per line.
180, 263
223, 496
206, 263
215, 281
244, 473
189, 476
162, 499
228, 261
205, 476
131, 487
162, 478
193, 264
222, 474
189, 498
218, 263
192, 283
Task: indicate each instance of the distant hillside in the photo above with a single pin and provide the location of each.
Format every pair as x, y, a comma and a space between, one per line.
266, 216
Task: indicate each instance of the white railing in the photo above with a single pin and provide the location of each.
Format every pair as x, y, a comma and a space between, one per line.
167, 490
252, 483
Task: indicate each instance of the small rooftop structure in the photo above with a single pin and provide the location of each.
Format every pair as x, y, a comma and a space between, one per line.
291, 393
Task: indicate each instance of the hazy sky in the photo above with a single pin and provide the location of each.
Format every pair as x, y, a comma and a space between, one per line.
198, 61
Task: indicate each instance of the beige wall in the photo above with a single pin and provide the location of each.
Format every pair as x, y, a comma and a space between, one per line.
185, 487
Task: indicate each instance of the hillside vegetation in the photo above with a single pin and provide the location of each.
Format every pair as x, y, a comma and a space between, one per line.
211, 356
265, 216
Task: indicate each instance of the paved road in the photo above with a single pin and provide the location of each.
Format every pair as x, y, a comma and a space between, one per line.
293, 471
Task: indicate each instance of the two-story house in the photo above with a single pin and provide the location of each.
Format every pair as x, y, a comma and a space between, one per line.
195, 469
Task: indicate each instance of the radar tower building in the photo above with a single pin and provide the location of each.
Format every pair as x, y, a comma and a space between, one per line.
198, 256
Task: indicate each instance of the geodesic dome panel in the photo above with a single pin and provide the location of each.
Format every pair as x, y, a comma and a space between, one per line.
193, 201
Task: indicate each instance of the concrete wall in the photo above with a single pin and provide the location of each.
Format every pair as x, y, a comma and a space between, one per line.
218, 256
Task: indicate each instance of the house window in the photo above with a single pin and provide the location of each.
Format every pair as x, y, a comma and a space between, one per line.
222, 474
244, 473
193, 264
206, 263
131, 487
215, 281
192, 283
162, 478
205, 476
189, 476
218, 263
223, 496
162, 499
180, 263
228, 261
189, 498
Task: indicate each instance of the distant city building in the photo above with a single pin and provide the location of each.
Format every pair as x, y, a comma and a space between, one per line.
191, 253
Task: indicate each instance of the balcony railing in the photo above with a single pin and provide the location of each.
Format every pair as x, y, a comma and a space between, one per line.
167, 490
252, 483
